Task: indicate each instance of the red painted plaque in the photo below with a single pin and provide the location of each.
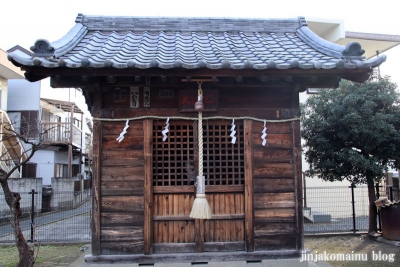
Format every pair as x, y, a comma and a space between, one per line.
187, 98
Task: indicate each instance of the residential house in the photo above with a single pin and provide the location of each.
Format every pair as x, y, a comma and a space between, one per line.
11, 150
62, 122
63, 127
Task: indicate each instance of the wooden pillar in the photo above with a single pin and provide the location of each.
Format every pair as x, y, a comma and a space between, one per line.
298, 175
248, 191
96, 183
199, 234
148, 187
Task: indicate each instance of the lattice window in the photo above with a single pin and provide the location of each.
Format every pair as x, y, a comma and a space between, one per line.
223, 162
175, 160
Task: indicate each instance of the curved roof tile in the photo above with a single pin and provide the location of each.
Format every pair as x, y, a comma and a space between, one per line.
214, 43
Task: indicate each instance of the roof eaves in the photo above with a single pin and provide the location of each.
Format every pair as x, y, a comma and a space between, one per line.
19, 58
316, 42
70, 40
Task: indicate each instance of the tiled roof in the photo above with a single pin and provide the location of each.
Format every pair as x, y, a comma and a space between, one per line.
191, 43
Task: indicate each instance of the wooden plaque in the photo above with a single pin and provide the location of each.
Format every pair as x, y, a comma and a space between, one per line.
187, 99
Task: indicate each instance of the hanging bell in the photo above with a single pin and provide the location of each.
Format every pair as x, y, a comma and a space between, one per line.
199, 106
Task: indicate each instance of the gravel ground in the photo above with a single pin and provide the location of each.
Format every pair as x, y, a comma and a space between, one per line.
370, 252
337, 225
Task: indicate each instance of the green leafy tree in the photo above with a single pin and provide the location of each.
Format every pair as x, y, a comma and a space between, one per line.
353, 133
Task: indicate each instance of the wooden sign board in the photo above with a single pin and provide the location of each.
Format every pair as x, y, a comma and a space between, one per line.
187, 99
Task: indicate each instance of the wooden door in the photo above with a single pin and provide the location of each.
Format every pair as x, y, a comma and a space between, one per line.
174, 170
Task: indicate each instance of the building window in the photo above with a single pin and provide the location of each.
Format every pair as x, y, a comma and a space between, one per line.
61, 170
29, 170
26, 122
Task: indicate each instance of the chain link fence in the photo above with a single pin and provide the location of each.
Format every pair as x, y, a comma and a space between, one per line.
50, 217
341, 209
66, 216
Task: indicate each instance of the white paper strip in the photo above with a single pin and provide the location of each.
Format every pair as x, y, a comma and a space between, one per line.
165, 131
233, 132
264, 135
121, 135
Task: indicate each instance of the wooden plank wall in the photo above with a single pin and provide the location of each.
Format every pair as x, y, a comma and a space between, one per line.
122, 183
171, 222
274, 188
267, 206
233, 101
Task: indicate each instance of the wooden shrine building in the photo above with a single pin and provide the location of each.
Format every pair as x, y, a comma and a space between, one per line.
140, 77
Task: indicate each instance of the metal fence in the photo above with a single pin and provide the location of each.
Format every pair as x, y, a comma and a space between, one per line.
50, 217
340, 209
66, 216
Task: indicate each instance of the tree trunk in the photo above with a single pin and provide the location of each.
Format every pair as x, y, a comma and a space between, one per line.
26, 258
373, 213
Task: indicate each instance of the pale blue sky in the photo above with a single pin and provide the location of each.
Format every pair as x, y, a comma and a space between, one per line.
23, 22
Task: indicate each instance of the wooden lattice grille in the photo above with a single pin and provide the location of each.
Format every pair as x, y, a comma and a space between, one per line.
223, 162
175, 160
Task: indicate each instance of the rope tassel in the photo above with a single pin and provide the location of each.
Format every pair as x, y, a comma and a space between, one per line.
200, 209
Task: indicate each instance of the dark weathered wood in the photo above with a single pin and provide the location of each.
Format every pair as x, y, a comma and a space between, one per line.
282, 141
272, 128
163, 248
274, 200
273, 170
187, 99
262, 113
173, 189
199, 235
274, 185
122, 173
122, 218
122, 203
248, 195
273, 229
114, 128
148, 187
298, 184
122, 188
187, 218
133, 158
122, 247
275, 215
224, 246
122, 233
282, 241
97, 176
130, 142
270, 155
262, 205
179, 231
196, 257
